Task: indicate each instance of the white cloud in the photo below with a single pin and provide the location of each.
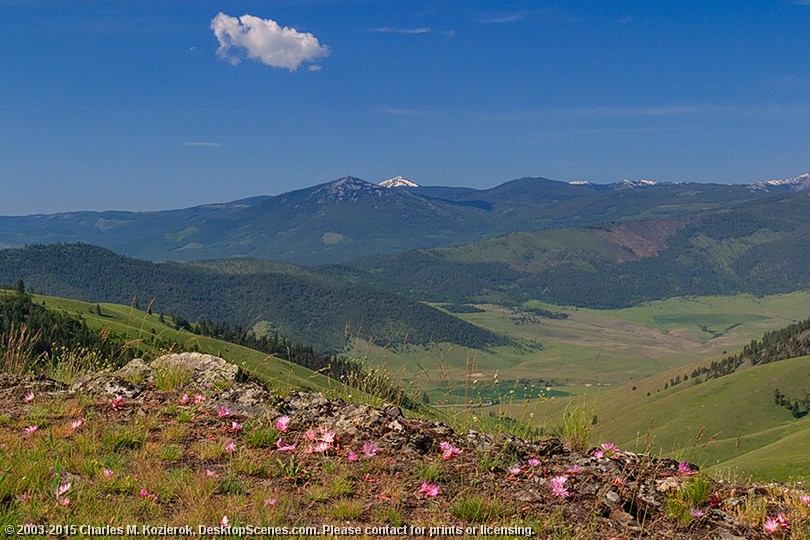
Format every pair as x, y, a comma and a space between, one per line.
390, 30
265, 41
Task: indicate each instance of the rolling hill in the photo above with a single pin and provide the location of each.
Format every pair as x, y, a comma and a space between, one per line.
298, 304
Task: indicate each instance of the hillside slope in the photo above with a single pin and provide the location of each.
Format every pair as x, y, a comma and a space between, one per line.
301, 306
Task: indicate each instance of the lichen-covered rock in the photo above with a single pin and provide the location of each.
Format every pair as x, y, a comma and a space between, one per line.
246, 399
137, 371
104, 383
204, 369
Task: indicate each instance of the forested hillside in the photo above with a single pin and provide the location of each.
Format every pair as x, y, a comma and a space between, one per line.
758, 248
304, 308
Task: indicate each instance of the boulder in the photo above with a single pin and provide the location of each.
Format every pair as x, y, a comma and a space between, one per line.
205, 370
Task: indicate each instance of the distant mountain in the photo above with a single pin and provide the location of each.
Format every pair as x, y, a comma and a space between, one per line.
299, 304
798, 183
349, 218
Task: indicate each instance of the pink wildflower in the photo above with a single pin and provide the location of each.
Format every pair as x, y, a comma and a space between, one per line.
319, 448
198, 398
117, 402
184, 399
805, 499
77, 424
327, 436
514, 470
609, 448
574, 469
352, 456
65, 501
31, 429
770, 525
309, 435
230, 446
430, 490
24, 497
224, 521
284, 447
29, 397
534, 462
558, 488
783, 523
448, 450
696, 513
282, 424
270, 502
598, 454
685, 469
369, 449
144, 493
107, 473
211, 474
236, 426
224, 412
64, 488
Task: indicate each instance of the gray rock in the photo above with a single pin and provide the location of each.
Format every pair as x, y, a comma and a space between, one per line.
105, 384
137, 372
204, 369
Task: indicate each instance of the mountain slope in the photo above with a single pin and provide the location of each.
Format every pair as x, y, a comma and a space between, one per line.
758, 247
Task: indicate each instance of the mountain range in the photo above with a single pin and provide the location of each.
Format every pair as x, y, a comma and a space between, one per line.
350, 218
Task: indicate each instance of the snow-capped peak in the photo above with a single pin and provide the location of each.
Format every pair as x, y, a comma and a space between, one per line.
397, 182
630, 184
580, 183
798, 183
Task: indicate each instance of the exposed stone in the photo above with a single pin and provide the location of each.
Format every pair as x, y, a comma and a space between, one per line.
205, 370
137, 372
105, 384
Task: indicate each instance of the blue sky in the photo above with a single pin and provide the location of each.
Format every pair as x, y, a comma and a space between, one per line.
141, 105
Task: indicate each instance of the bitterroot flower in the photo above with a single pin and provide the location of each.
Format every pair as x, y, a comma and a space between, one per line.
117, 402
31, 429
282, 424
224, 521
64, 488
369, 449
236, 426
224, 412
198, 398
534, 462
430, 490
184, 399
108, 473
448, 450
598, 454
574, 469
29, 397
284, 447
65, 501
805, 499
696, 513
685, 469
229, 447
77, 424
558, 488
352, 456
270, 502
514, 470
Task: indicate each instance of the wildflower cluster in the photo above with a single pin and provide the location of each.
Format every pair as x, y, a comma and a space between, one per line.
777, 525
